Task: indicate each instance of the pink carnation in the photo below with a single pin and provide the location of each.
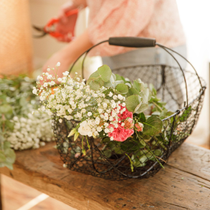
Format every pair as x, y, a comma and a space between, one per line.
125, 114
120, 133
139, 126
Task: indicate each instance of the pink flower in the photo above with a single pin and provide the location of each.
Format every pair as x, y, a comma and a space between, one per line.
128, 123
120, 133
139, 126
125, 126
125, 114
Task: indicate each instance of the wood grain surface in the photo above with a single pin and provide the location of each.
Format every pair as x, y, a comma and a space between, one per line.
183, 184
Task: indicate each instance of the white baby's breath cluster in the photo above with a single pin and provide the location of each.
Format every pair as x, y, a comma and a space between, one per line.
94, 110
31, 131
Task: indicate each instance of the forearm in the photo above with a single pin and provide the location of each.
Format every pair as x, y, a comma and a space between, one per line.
79, 3
75, 48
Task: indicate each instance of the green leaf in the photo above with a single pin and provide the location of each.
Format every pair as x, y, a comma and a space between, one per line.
141, 108
8, 124
152, 89
10, 156
122, 89
94, 75
145, 94
142, 117
118, 150
118, 77
105, 72
5, 109
6, 145
143, 143
185, 114
137, 85
133, 91
129, 146
111, 83
143, 159
94, 85
2, 157
107, 153
152, 126
132, 102
158, 152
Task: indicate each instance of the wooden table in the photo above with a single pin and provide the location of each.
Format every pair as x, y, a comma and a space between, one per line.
183, 184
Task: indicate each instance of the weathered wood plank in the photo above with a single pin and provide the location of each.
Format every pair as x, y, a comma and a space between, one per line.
183, 184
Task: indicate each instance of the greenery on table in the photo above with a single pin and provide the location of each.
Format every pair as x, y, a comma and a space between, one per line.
17, 102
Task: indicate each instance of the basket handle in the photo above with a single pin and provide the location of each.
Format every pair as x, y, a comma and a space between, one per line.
139, 42
132, 42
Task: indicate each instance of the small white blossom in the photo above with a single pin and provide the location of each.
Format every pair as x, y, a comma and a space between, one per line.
115, 97
59, 79
66, 73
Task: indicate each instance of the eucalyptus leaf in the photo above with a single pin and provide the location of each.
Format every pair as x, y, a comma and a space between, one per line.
2, 157
122, 88
6, 145
111, 83
94, 85
94, 75
133, 91
132, 102
141, 108
10, 156
105, 72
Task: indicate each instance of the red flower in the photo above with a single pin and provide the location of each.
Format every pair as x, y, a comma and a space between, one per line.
126, 114
120, 133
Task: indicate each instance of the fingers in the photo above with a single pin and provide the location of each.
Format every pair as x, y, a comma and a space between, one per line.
65, 8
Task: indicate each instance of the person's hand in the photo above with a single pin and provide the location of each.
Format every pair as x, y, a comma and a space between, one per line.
67, 55
66, 25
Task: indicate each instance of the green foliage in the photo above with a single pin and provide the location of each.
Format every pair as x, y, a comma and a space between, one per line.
185, 114
152, 126
15, 94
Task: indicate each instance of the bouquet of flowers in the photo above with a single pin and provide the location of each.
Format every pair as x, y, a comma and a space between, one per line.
124, 117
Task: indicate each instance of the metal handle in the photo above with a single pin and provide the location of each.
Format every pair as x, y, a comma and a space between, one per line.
138, 43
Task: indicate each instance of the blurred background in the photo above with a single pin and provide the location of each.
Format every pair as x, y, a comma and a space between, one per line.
30, 54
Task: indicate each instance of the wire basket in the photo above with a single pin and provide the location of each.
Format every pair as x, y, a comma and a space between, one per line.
182, 90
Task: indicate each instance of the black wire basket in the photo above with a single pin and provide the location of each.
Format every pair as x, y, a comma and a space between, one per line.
183, 92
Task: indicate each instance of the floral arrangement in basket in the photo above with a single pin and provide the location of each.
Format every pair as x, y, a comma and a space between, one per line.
123, 115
